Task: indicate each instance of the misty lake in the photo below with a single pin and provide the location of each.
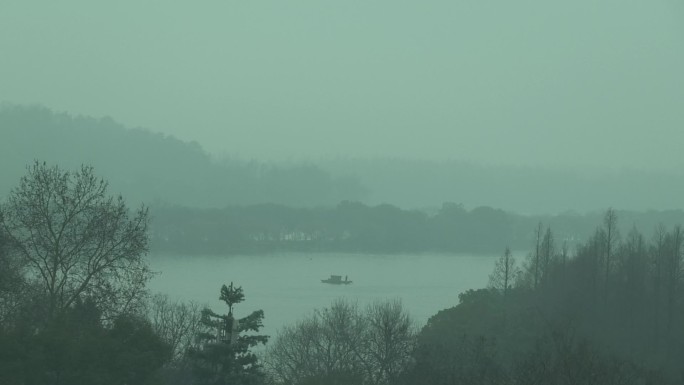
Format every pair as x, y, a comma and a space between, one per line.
288, 287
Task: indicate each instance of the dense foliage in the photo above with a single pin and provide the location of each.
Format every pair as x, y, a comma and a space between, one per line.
610, 314
356, 227
224, 354
72, 284
76, 348
74, 309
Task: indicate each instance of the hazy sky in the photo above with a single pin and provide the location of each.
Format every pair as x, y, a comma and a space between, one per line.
580, 82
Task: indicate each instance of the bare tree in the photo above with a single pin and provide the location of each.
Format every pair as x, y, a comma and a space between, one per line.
563, 260
632, 272
611, 231
505, 272
289, 358
177, 323
389, 341
658, 256
77, 241
673, 271
320, 349
548, 251
343, 345
537, 256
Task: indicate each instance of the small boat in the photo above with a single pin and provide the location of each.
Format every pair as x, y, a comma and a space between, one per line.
337, 280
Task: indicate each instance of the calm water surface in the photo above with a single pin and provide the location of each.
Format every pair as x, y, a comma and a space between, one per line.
288, 286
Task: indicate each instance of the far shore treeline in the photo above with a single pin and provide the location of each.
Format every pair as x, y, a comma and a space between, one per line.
360, 228
75, 307
155, 169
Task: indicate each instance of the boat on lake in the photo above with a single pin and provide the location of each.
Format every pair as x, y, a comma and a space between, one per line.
337, 280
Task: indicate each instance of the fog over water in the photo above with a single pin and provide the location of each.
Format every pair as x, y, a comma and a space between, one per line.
153, 151
288, 287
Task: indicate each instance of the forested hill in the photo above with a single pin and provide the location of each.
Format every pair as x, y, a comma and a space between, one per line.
161, 169
149, 167
356, 227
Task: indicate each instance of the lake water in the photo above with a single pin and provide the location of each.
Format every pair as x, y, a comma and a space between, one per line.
288, 287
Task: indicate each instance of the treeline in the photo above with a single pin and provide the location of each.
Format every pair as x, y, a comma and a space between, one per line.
530, 189
612, 312
150, 167
156, 168
74, 309
356, 227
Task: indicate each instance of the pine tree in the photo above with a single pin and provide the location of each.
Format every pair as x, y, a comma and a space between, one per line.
223, 356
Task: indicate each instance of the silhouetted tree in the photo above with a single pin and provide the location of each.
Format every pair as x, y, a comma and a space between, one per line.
466, 360
563, 332
536, 264
342, 345
224, 355
388, 341
75, 240
175, 322
548, 251
673, 271
611, 239
504, 274
75, 347
658, 260
12, 281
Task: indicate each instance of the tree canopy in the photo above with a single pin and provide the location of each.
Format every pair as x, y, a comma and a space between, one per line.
77, 241
224, 355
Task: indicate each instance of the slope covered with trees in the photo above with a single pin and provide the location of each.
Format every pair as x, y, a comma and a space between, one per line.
74, 309
609, 313
150, 167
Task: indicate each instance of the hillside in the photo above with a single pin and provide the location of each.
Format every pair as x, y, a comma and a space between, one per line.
156, 168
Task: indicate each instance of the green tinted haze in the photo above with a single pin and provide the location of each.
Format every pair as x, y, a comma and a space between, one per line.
545, 82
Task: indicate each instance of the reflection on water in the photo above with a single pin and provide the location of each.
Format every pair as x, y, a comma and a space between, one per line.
288, 286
